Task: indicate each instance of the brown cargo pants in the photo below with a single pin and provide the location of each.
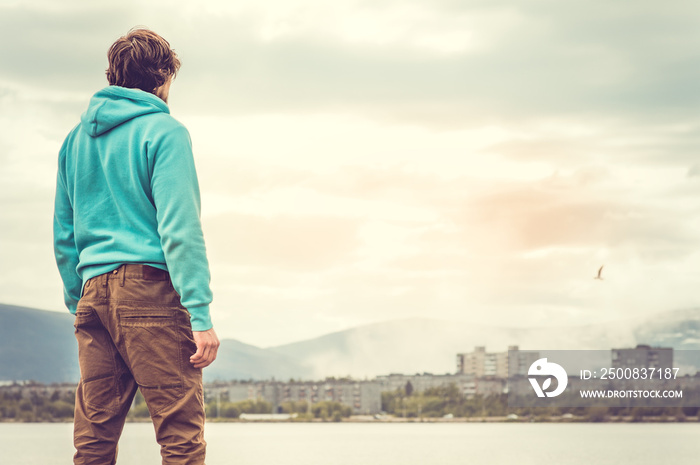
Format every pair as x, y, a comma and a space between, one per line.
133, 333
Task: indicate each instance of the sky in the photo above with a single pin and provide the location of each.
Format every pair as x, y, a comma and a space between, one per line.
368, 161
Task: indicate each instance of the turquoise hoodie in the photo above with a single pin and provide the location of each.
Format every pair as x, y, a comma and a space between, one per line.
127, 192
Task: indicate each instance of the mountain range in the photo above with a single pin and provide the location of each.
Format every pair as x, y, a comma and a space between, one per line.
40, 345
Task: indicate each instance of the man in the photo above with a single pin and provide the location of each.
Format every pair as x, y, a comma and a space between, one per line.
130, 250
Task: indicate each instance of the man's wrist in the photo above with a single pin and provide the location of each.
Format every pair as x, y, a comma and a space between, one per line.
200, 319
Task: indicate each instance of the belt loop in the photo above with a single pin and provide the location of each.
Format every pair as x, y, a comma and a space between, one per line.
123, 276
102, 293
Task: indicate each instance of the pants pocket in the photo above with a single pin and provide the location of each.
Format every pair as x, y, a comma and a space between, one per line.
99, 361
153, 343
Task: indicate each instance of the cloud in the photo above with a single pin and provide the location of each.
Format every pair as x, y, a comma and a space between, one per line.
288, 242
63, 49
363, 161
536, 60
550, 62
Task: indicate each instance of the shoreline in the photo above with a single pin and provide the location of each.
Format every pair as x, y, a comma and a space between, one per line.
371, 419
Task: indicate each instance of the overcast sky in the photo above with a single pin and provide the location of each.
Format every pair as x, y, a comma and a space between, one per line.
366, 161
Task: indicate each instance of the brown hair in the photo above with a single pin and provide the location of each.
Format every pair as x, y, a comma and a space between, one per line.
141, 59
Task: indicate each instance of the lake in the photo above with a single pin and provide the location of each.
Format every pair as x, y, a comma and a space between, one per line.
383, 443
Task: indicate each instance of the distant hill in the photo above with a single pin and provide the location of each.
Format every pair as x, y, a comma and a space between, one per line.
418, 345
237, 360
40, 345
679, 329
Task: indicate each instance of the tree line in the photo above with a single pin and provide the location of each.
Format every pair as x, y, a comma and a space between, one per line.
40, 406
46, 406
448, 400
37, 406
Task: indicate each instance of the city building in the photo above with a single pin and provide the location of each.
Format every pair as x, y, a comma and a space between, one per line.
32, 389
364, 397
480, 363
468, 384
642, 356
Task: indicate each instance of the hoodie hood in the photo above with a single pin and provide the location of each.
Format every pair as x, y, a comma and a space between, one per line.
115, 105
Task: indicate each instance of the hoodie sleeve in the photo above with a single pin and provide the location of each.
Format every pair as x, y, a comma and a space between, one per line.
175, 191
65, 252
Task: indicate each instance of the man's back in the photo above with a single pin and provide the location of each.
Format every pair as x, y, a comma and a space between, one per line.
129, 177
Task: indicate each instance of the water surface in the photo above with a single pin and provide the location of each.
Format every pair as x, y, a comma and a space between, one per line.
383, 443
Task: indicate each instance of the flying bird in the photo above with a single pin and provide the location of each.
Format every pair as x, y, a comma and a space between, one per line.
600, 270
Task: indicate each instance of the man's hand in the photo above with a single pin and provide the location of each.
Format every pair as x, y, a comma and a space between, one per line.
207, 346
